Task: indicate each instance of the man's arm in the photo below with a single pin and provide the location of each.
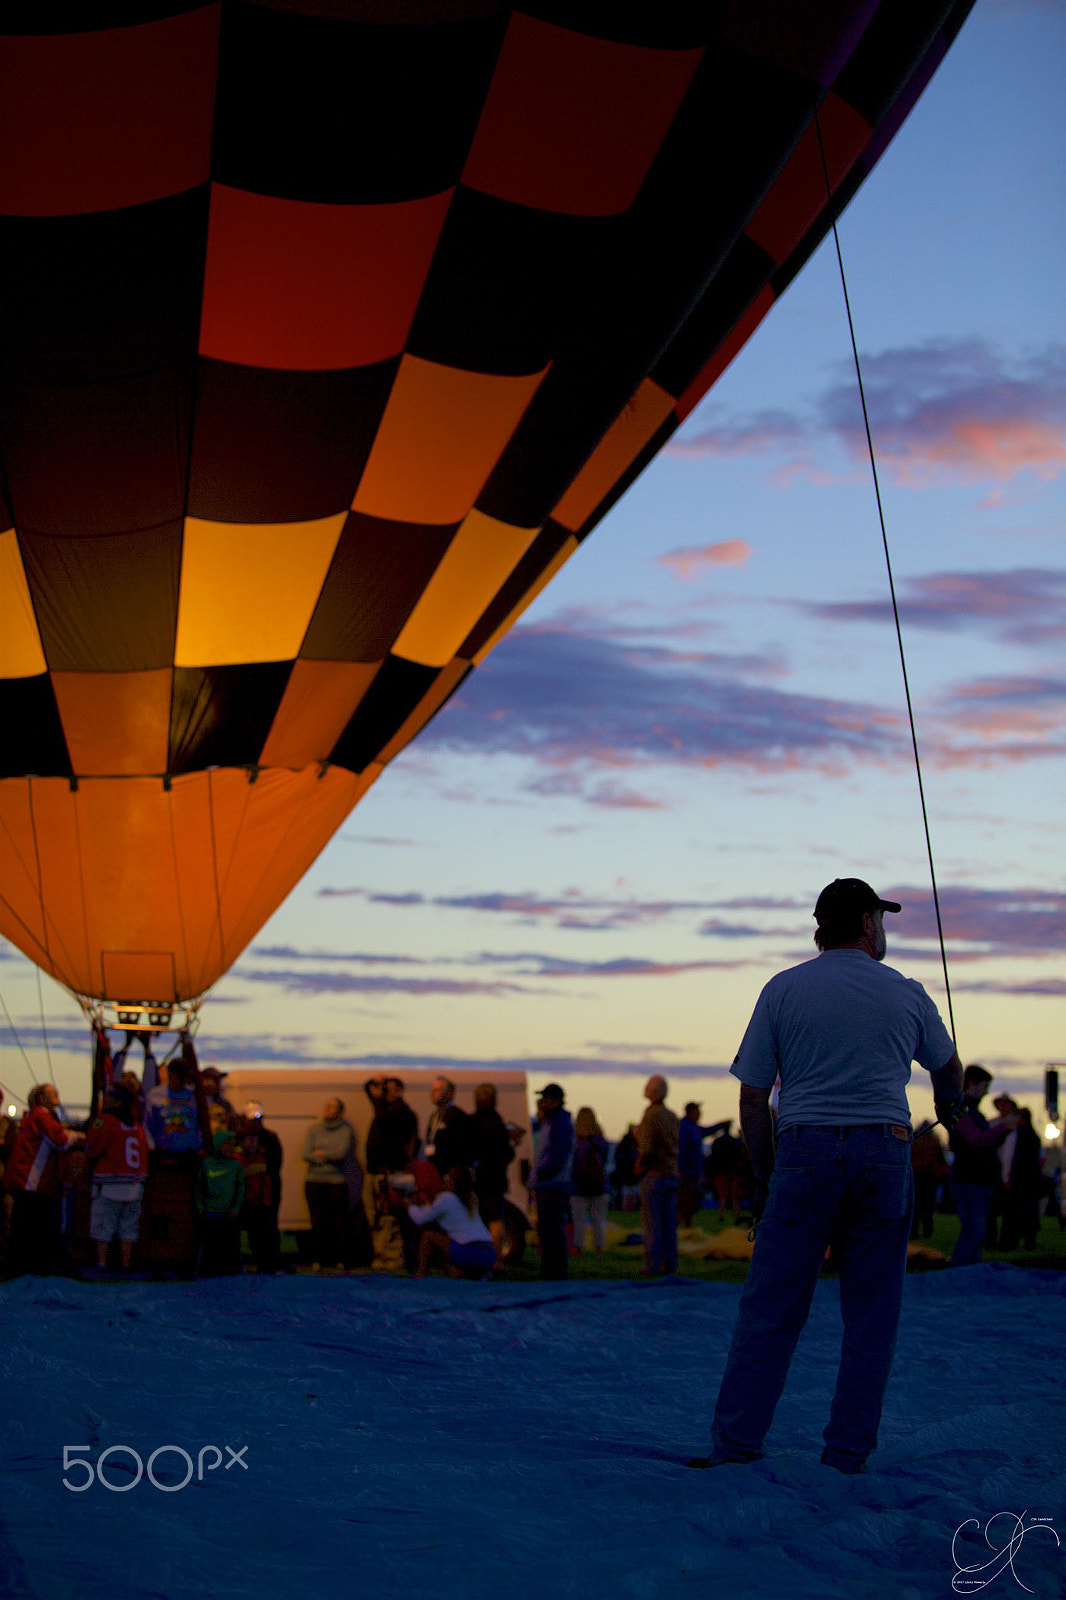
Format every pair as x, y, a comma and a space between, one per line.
757, 1129
947, 1082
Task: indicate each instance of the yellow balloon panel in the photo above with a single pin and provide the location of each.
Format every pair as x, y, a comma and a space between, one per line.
247, 593
477, 563
21, 655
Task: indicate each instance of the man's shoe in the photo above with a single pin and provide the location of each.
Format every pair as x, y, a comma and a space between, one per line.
848, 1466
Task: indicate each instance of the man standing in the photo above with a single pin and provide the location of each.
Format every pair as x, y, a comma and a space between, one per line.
549, 1179
841, 1032
178, 1129
391, 1144
32, 1177
260, 1153
328, 1147
724, 1163
448, 1135
657, 1142
689, 1163
976, 1173
397, 1138
493, 1153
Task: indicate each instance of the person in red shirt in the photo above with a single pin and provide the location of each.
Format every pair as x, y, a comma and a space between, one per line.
32, 1178
118, 1150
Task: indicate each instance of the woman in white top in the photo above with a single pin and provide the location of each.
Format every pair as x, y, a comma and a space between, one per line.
453, 1234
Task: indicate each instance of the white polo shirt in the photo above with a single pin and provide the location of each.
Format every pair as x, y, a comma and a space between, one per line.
842, 1031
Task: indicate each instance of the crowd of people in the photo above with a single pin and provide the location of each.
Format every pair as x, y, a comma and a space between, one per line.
661, 1165
991, 1174
177, 1178
173, 1172
443, 1188
179, 1175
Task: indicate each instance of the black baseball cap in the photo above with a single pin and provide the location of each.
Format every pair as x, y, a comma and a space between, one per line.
551, 1091
846, 897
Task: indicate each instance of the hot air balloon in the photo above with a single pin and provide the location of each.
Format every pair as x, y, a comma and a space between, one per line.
329, 330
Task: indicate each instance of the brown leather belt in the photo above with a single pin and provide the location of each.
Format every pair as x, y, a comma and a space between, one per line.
897, 1130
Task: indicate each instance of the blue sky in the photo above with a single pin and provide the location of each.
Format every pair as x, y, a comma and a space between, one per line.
596, 855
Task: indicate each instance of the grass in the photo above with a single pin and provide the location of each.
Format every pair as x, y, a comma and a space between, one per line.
626, 1261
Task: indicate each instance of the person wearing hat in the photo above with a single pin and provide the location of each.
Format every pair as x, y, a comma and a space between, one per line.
840, 1032
220, 1111
549, 1179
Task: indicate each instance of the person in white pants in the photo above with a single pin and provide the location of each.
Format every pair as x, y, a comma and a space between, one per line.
588, 1202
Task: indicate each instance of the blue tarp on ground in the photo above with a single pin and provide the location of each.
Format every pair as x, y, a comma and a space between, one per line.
467, 1441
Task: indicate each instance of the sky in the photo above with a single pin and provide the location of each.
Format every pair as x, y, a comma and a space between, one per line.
596, 855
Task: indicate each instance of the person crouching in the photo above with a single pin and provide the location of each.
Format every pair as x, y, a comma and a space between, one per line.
454, 1237
220, 1190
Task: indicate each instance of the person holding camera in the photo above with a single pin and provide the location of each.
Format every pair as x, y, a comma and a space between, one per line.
454, 1237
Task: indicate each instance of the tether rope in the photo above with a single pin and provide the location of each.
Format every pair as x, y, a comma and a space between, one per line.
888, 566
18, 1041
44, 1025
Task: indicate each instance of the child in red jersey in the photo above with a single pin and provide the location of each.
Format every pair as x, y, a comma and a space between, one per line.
118, 1149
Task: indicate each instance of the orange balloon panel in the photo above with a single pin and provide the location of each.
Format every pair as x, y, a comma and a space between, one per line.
324, 347
142, 884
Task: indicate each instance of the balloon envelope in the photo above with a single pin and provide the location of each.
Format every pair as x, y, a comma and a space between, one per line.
329, 330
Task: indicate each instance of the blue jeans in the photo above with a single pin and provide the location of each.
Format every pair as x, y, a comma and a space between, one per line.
973, 1202
658, 1221
552, 1207
853, 1185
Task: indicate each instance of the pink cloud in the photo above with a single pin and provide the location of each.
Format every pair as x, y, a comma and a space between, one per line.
616, 796
963, 450
945, 411
688, 562
956, 411
755, 435
1005, 719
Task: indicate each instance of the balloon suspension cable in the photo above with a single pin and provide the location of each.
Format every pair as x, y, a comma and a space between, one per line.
44, 1026
888, 568
18, 1041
